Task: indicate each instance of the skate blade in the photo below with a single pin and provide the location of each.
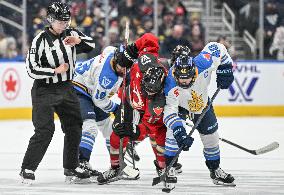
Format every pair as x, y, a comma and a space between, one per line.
220, 183
126, 177
110, 181
76, 180
27, 182
94, 179
167, 190
178, 171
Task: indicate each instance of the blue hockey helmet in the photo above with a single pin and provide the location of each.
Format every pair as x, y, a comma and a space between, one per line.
184, 68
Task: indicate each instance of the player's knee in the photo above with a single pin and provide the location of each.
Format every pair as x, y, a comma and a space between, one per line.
210, 140
89, 126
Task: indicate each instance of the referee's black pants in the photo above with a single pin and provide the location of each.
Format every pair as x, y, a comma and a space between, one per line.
47, 99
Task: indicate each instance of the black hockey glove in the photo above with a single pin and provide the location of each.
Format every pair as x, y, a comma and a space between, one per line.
126, 130
182, 138
128, 56
225, 76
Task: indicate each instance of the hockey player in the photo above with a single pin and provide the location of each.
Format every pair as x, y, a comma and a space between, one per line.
94, 81
187, 95
143, 107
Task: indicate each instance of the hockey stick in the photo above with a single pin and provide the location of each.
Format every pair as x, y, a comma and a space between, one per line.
265, 149
123, 167
157, 180
122, 164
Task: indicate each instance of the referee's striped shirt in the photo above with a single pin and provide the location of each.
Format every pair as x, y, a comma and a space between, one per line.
48, 52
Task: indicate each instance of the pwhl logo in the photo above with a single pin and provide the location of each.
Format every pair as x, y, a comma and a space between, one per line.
242, 88
10, 84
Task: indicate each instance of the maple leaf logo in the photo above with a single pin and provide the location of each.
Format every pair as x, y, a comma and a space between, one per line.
158, 110
10, 84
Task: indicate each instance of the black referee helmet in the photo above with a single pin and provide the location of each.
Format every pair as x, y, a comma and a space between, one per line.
58, 11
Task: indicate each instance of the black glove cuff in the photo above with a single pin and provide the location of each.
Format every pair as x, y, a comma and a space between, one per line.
135, 135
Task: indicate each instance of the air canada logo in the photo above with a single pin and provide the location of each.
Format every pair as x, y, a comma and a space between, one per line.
10, 84
242, 88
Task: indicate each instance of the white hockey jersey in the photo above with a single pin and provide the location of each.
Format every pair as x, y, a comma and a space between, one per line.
96, 79
195, 98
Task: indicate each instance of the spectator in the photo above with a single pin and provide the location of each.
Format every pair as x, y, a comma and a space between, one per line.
196, 40
8, 46
231, 50
271, 22
165, 28
39, 21
277, 46
172, 41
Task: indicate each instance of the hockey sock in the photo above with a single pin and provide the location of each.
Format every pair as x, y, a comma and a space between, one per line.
86, 145
212, 156
84, 154
159, 152
108, 144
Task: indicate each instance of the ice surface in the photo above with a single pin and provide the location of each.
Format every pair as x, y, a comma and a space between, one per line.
261, 174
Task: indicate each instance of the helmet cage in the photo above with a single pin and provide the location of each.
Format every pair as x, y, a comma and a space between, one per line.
153, 80
185, 69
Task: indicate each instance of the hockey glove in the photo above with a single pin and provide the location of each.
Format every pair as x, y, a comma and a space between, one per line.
126, 130
128, 56
182, 138
225, 76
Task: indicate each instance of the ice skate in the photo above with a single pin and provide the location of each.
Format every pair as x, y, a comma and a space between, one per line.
178, 168
77, 176
85, 165
170, 180
28, 176
108, 176
220, 177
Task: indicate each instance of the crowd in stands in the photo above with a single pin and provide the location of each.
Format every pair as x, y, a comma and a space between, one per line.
175, 26
247, 14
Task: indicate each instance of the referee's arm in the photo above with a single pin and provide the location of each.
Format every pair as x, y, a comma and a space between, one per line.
33, 63
87, 43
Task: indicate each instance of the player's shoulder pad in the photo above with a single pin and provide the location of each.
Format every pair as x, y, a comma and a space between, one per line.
107, 78
205, 58
108, 50
170, 81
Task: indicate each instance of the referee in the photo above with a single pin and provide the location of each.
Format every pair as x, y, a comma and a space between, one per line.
51, 61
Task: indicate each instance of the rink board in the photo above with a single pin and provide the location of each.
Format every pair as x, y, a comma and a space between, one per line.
256, 91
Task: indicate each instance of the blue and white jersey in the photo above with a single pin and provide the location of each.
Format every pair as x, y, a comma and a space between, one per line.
96, 79
195, 98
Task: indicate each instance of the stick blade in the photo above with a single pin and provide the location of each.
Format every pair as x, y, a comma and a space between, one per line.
268, 148
156, 180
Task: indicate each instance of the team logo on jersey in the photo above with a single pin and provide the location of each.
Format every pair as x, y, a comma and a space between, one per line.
197, 103
207, 56
105, 82
158, 110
